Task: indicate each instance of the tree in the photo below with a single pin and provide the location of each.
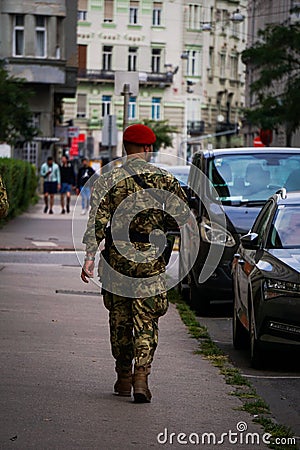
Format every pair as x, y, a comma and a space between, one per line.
163, 132
15, 114
276, 59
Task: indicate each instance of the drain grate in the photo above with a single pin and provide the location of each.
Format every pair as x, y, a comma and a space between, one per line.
71, 292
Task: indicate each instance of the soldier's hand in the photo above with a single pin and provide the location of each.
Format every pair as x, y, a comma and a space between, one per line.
87, 271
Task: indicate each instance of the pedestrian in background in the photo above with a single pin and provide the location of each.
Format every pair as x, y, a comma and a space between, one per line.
51, 174
85, 172
133, 321
67, 176
4, 205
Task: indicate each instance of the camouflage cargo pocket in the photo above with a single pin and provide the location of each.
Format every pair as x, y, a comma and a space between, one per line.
156, 306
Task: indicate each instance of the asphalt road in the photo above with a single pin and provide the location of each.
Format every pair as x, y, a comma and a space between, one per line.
57, 373
278, 384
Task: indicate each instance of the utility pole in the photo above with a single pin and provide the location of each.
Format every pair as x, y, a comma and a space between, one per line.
126, 93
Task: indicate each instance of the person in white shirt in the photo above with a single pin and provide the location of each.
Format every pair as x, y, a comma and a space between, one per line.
84, 184
51, 174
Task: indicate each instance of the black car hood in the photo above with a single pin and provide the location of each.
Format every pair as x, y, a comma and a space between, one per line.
241, 217
288, 256
282, 264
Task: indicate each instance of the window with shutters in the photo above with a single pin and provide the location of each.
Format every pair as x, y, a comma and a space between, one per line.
133, 12
234, 67
82, 59
106, 102
132, 59
59, 37
108, 10
210, 68
132, 108
156, 13
193, 63
81, 105
194, 12
82, 10
18, 35
156, 60
155, 109
107, 57
40, 37
222, 65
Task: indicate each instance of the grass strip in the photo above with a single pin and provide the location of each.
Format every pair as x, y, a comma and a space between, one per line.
251, 401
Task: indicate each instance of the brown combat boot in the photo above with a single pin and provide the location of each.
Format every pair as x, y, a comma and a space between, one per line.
141, 392
123, 384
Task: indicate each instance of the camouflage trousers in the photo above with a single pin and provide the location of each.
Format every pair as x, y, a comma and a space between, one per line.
134, 327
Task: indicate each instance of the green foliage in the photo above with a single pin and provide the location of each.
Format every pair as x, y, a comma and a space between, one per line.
276, 58
21, 182
163, 132
15, 114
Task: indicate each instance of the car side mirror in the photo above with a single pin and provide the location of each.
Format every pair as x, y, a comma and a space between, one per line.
250, 241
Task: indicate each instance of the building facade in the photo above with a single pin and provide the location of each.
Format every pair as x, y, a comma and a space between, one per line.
38, 44
260, 14
185, 55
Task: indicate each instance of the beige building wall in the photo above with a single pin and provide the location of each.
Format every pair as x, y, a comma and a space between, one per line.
260, 14
191, 101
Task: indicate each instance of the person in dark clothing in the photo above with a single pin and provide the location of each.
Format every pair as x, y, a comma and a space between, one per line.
67, 176
83, 185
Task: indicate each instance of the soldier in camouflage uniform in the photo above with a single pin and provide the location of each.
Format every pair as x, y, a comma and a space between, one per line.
133, 317
3, 200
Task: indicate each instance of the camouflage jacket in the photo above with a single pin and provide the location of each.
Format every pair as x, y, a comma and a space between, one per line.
3, 200
117, 198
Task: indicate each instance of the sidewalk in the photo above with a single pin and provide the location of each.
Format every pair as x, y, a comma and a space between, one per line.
34, 230
57, 373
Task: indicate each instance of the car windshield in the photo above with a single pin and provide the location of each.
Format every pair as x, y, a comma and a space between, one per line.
252, 178
285, 228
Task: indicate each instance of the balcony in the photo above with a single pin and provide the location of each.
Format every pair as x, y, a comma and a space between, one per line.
195, 127
227, 128
161, 80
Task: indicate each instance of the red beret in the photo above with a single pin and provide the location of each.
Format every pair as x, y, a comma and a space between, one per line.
139, 134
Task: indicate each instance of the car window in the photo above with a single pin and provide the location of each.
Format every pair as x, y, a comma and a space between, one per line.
285, 231
263, 222
253, 177
181, 174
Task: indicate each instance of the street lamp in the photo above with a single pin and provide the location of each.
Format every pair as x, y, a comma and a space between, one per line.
236, 17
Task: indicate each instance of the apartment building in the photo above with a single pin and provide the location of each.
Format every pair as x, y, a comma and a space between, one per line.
260, 14
224, 72
186, 55
38, 44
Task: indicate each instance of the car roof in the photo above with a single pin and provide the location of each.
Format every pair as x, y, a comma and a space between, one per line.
177, 168
246, 150
291, 198
173, 168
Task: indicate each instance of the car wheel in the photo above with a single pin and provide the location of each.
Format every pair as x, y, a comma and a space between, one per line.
255, 350
198, 299
240, 336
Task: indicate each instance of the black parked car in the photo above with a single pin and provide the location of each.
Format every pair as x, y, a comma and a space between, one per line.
239, 180
266, 275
